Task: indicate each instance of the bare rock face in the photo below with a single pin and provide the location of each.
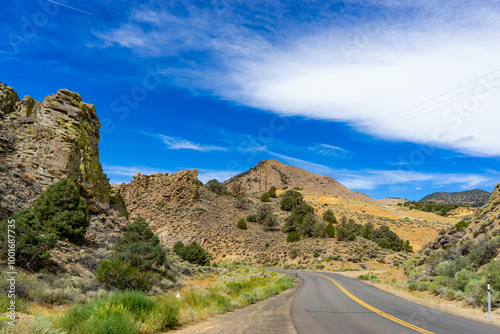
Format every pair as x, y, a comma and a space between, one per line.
52, 139
180, 189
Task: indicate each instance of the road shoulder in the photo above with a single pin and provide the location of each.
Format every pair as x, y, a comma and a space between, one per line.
271, 315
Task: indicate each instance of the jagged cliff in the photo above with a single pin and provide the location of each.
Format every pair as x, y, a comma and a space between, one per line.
53, 139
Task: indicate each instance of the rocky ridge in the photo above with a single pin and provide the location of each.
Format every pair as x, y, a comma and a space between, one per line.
475, 197
53, 139
281, 175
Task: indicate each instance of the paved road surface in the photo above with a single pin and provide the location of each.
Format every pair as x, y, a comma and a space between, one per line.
332, 303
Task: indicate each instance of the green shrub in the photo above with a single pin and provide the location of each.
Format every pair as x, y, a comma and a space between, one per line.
135, 302
2, 169
307, 227
121, 275
178, 248
121, 313
62, 209
461, 225
483, 252
329, 216
475, 290
111, 324
234, 287
242, 224
319, 230
194, 253
343, 234
140, 247
330, 230
491, 272
165, 314
291, 224
444, 269
262, 212
463, 277
287, 203
366, 277
251, 218
272, 191
33, 241
271, 290
386, 238
293, 236
217, 187
290, 199
265, 197
266, 217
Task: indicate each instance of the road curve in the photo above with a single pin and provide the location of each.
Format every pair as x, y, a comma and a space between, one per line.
332, 303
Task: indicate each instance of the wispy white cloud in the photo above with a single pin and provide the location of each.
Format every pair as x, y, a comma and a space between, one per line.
371, 179
331, 151
380, 74
175, 143
309, 166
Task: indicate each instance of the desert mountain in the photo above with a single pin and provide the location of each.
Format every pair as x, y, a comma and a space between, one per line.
475, 197
281, 175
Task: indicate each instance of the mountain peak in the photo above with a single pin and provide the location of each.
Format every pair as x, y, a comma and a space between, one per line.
272, 172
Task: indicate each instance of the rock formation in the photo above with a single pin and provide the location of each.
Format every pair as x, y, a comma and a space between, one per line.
53, 139
179, 189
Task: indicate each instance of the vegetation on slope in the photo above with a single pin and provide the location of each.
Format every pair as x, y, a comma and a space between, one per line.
134, 312
58, 213
440, 209
475, 197
463, 259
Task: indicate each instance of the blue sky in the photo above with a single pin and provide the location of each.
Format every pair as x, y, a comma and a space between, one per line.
390, 98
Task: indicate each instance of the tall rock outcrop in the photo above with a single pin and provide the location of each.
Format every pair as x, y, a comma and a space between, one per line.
53, 139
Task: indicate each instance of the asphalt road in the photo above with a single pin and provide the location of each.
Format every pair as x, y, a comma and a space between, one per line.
347, 305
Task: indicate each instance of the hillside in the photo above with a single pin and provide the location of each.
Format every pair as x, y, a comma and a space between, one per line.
180, 208
475, 197
459, 262
290, 177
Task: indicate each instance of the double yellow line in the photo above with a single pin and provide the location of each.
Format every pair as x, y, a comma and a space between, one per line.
368, 306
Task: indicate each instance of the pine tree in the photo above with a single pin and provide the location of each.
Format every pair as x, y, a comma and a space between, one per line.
330, 230
140, 247
62, 209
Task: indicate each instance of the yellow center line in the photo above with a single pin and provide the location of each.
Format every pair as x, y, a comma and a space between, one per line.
368, 306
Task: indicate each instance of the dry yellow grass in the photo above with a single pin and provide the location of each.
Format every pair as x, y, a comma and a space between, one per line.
417, 226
